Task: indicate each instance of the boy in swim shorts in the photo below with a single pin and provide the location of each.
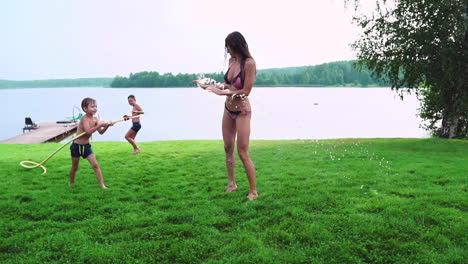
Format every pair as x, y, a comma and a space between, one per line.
136, 125
81, 147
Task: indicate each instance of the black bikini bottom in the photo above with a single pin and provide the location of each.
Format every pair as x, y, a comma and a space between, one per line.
232, 112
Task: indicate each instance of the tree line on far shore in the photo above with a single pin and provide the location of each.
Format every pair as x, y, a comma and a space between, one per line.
342, 73
56, 83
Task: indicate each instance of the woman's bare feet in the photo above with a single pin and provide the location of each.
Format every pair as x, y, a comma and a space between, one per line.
231, 188
252, 196
104, 187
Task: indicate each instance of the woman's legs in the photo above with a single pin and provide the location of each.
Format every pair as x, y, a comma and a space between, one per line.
229, 137
243, 138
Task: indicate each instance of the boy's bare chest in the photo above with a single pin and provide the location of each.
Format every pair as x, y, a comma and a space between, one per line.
90, 123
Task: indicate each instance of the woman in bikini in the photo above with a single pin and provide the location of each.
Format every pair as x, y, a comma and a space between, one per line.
238, 83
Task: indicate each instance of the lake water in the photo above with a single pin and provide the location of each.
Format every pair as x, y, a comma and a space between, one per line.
192, 113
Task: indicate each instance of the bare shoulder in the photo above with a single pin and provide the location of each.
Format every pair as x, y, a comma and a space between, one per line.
137, 106
231, 61
83, 119
250, 64
93, 121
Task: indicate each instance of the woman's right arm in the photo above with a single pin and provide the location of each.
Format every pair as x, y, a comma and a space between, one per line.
204, 86
211, 87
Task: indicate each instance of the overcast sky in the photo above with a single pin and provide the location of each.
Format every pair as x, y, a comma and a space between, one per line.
49, 39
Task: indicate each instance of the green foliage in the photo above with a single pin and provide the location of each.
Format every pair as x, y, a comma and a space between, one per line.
422, 43
327, 201
340, 73
154, 79
83, 82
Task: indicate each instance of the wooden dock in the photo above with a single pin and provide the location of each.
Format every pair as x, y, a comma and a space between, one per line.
45, 133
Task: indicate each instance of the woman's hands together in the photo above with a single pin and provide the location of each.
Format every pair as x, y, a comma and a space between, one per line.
218, 88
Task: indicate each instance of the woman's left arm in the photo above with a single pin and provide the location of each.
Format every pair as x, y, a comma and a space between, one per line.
250, 72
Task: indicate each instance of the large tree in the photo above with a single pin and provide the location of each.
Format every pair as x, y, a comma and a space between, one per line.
421, 45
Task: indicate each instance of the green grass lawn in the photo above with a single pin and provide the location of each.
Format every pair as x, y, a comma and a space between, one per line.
328, 201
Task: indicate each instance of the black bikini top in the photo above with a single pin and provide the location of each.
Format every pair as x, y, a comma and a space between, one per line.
235, 79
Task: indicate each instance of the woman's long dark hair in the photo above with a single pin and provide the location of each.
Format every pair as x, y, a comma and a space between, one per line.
236, 42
